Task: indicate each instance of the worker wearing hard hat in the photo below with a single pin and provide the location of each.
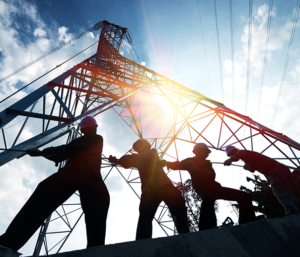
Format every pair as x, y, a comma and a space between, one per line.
82, 173
278, 175
156, 187
203, 181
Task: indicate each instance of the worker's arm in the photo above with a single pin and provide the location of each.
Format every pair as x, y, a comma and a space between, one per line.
76, 147
126, 161
234, 158
183, 165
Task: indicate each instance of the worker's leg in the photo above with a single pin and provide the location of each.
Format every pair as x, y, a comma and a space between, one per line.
284, 188
148, 206
95, 202
48, 195
246, 210
176, 203
207, 219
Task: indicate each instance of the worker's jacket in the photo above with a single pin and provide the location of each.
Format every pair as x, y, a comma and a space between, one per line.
82, 153
256, 161
148, 164
202, 173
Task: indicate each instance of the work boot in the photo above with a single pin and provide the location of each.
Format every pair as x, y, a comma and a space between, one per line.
7, 252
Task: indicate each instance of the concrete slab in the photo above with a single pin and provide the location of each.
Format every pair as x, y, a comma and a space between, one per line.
272, 237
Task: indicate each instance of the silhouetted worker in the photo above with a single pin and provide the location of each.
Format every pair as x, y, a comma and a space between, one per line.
278, 175
156, 187
296, 177
82, 173
203, 182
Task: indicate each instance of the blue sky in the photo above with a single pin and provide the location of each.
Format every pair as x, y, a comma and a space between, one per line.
168, 39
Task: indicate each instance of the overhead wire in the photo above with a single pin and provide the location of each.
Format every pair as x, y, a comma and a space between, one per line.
265, 57
232, 47
57, 66
249, 54
46, 54
218, 40
286, 60
204, 47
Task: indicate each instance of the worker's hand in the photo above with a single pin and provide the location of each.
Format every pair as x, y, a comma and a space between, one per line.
248, 167
163, 163
227, 162
113, 159
265, 182
48, 152
34, 152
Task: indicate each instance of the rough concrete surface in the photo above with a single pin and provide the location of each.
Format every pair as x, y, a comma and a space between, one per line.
271, 237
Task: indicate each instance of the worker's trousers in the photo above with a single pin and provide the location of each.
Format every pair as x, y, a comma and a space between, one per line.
210, 194
150, 201
285, 189
50, 194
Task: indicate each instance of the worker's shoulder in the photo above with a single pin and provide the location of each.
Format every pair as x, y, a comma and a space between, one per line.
152, 151
98, 137
193, 159
95, 138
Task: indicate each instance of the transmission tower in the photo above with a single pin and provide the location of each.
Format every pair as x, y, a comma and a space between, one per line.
170, 116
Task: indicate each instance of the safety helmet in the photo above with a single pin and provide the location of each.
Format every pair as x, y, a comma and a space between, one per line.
201, 146
88, 122
141, 142
229, 149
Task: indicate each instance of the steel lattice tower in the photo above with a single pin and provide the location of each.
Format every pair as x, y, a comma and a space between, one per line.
109, 81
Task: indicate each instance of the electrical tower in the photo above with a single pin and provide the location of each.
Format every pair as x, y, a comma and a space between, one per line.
170, 116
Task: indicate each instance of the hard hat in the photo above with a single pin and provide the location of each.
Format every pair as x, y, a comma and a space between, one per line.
88, 122
229, 149
141, 142
201, 146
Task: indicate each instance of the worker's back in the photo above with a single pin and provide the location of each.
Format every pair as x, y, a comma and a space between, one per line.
151, 173
259, 162
84, 152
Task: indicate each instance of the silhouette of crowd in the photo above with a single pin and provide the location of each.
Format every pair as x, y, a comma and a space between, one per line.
82, 173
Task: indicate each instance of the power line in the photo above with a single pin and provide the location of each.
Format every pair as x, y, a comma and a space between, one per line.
46, 54
204, 47
232, 47
57, 66
217, 27
249, 54
265, 56
286, 60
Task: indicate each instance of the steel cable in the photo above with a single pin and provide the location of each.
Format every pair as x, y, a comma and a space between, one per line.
265, 56
46, 54
286, 61
220, 62
232, 47
57, 66
204, 48
249, 54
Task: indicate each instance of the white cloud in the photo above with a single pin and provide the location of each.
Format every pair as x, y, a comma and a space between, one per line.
39, 32
143, 63
63, 35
